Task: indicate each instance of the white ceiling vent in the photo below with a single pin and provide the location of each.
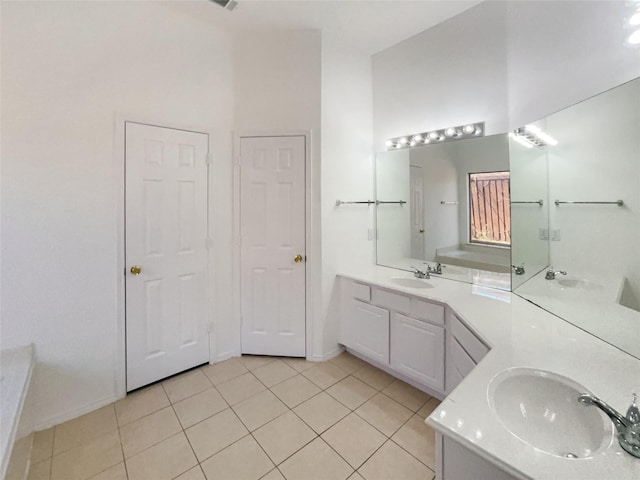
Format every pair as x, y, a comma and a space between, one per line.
227, 4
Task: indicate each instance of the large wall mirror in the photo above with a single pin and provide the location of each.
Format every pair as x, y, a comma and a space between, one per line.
447, 203
593, 205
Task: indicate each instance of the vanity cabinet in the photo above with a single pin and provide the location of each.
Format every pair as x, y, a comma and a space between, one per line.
417, 350
455, 462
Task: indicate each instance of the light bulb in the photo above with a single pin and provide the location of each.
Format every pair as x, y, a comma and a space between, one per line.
389, 143
427, 140
440, 138
433, 135
450, 132
417, 138
404, 140
635, 19
413, 143
634, 38
398, 145
478, 131
468, 128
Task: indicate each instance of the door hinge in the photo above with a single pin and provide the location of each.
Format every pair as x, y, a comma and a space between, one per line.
208, 243
209, 159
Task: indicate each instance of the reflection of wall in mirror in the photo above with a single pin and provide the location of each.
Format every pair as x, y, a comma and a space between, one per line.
392, 184
529, 183
596, 159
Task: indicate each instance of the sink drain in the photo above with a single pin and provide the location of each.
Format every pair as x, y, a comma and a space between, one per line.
570, 455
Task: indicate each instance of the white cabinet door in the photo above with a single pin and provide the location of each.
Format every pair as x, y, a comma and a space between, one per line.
417, 350
367, 331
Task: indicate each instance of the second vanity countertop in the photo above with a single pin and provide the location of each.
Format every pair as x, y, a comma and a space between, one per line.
522, 335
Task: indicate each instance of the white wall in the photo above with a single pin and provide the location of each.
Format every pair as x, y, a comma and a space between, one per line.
452, 74
347, 174
68, 68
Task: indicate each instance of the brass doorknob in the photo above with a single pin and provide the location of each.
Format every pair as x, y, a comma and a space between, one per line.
136, 270
421, 230
297, 258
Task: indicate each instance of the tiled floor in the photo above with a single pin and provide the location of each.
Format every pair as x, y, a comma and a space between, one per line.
251, 418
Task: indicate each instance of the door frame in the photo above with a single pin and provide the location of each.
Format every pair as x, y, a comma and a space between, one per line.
119, 153
312, 263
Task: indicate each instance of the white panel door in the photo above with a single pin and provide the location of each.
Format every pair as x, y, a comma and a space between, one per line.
272, 251
166, 232
417, 212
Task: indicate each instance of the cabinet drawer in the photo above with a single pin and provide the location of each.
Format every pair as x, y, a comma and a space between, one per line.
467, 339
361, 291
427, 311
392, 301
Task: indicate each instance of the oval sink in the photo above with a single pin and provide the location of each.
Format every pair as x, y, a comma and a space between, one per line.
411, 282
541, 409
579, 283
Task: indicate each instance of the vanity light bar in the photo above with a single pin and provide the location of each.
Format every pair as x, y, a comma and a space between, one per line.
532, 136
437, 136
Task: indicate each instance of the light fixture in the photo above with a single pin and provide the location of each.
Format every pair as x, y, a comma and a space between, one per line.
632, 25
634, 38
634, 21
532, 136
458, 132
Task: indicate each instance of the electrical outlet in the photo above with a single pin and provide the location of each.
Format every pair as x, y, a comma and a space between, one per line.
370, 234
543, 233
555, 235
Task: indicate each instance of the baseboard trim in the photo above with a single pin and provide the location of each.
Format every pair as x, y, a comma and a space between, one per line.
327, 356
71, 414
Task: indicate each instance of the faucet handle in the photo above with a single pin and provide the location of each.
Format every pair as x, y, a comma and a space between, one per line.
633, 413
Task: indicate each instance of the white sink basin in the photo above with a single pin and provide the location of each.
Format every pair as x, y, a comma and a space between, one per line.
579, 283
411, 282
541, 409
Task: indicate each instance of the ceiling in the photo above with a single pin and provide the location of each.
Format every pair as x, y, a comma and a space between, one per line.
366, 25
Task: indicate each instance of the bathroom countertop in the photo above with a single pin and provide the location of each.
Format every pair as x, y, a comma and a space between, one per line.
521, 334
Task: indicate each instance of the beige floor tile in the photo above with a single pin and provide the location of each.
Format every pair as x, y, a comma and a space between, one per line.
89, 459
244, 460
163, 461
428, 408
295, 390
384, 413
256, 361
274, 373
392, 463
224, 371
299, 364
147, 431
418, 439
40, 470
141, 403
354, 439
259, 409
273, 475
240, 388
351, 392
215, 433
325, 374
316, 461
374, 377
348, 362
321, 412
198, 407
283, 436
42, 447
117, 472
403, 393
194, 474
186, 384
355, 476
79, 431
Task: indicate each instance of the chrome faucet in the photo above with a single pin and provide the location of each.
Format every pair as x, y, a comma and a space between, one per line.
518, 270
436, 270
628, 427
420, 273
551, 275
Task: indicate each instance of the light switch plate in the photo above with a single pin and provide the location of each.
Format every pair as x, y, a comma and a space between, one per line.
543, 233
555, 235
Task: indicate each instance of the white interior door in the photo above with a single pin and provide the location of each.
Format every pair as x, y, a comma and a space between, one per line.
272, 251
417, 212
166, 252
